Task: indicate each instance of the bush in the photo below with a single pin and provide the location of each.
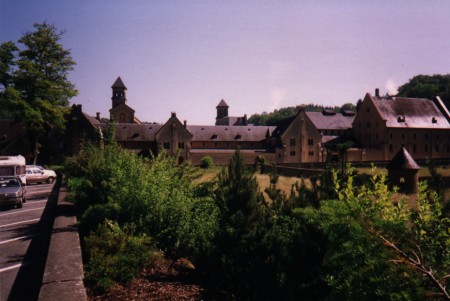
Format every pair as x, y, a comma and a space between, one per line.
206, 162
114, 255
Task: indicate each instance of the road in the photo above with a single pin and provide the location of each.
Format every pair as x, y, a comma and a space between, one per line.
24, 240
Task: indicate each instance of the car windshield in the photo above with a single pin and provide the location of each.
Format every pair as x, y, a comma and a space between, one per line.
9, 183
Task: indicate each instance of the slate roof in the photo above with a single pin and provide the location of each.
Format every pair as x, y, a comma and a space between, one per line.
119, 84
136, 132
282, 125
122, 106
229, 133
402, 112
92, 120
328, 120
236, 121
402, 160
222, 103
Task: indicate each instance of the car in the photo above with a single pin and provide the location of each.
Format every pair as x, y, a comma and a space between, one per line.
12, 192
37, 174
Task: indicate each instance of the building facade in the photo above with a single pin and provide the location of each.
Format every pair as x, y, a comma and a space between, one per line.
381, 127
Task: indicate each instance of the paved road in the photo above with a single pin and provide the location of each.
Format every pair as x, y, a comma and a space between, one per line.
24, 240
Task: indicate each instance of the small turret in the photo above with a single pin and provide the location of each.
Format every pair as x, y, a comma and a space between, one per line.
118, 93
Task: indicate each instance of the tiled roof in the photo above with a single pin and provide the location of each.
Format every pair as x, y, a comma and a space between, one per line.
222, 103
118, 83
402, 160
328, 120
136, 132
229, 133
402, 112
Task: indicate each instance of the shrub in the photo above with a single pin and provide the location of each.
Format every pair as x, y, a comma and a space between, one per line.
114, 254
206, 162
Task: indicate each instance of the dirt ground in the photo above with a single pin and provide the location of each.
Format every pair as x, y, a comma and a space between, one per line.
164, 282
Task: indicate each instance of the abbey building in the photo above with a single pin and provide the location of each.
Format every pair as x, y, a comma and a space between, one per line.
382, 126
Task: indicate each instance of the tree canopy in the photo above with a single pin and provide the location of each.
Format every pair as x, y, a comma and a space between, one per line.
427, 86
34, 84
277, 115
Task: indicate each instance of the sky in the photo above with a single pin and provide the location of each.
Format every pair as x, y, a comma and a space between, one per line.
185, 56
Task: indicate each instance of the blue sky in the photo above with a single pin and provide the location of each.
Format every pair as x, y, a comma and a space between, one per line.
185, 56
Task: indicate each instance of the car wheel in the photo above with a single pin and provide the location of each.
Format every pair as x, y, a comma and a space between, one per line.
20, 205
50, 180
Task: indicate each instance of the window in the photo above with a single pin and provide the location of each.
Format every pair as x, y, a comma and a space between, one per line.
292, 141
292, 153
426, 147
390, 147
415, 136
437, 148
390, 136
426, 136
311, 153
181, 145
403, 136
166, 145
414, 148
310, 141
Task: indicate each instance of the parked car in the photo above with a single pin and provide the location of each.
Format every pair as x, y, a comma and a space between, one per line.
37, 174
12, 191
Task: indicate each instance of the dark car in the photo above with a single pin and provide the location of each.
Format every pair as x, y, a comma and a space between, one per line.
12, 192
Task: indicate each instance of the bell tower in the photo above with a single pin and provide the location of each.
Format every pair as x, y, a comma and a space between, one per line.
222, 109
118, 93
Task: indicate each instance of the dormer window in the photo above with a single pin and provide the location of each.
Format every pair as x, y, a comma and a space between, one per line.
434, 120
401, 118
238, 136
214, 136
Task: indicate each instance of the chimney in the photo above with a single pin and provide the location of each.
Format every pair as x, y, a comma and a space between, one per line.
98, 116
185, 124
174, 114
377, 92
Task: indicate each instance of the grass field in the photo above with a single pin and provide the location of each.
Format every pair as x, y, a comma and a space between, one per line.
285, 183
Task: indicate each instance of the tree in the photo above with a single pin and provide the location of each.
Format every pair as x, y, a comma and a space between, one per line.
427, 86
36, 89
239, 260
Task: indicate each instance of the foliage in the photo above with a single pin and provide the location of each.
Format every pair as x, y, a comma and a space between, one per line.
114, 254
158, 197
427, 86
206, 162
418, 240
239, 260
36, 89
283, 113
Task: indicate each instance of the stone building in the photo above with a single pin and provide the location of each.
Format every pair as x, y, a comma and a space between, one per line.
383, 125
303, 138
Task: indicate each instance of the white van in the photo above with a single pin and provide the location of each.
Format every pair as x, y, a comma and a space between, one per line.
13, 166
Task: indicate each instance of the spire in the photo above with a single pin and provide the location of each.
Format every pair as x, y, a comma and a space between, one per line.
222, 103
119, 84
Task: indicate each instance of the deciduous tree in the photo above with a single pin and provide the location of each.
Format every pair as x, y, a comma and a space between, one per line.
36, 88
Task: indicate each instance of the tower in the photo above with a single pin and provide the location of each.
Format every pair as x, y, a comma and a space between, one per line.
118, 93
222, 112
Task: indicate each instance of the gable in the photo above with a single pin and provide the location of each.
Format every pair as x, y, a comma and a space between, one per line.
173, 128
